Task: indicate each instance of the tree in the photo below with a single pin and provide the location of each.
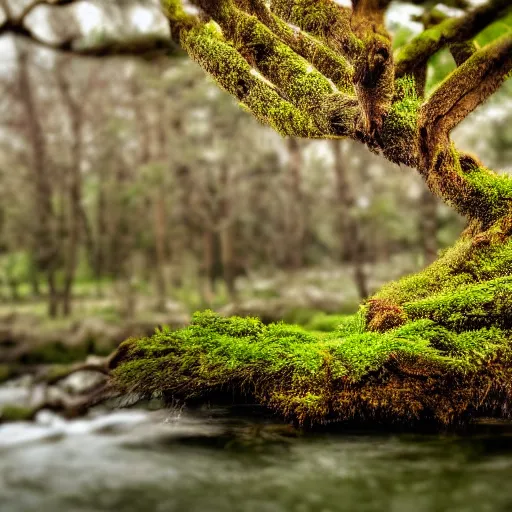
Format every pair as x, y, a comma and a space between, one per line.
433, 346
45, 240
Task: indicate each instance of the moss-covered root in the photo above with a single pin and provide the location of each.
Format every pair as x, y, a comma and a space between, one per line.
420, 371
433, 348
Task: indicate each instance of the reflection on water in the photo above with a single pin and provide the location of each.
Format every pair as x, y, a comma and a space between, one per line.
162, 460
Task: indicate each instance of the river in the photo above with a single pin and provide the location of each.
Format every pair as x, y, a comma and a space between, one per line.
214, 460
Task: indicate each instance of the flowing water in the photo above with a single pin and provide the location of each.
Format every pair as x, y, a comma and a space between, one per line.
212, 461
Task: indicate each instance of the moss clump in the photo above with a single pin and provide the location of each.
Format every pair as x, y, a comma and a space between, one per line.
496, 189
384, 315
294, 76
420, 371
435, 347
488, 303
13, 413
400, 125
323, 19
426, 44
472, 260
315, 16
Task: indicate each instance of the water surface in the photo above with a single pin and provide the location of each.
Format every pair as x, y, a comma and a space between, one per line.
212, 461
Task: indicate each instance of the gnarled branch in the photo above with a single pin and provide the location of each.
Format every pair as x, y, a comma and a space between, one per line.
467, 87
329, 63
450, 31
294, 78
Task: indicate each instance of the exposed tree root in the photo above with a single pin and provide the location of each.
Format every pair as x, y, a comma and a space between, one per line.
434, 348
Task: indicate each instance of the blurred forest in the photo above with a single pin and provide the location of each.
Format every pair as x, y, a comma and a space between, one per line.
134, 189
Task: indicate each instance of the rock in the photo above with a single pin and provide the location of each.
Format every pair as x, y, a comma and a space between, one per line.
81, 382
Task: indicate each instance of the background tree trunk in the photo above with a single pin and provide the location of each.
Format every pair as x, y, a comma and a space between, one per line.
429, 226
74, 211
296, 210
44, 235
353, 247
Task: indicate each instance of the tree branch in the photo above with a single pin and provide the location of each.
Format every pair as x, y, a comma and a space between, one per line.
37, 3
328, 62
145, 46
289, 94
467, 87
374, 70
323, 19
462, 181
55, 377
233, 73
295, 79
453, 30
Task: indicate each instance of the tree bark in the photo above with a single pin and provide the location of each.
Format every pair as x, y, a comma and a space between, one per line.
161, 257
228, 260
295, 215
74, 191
207, 269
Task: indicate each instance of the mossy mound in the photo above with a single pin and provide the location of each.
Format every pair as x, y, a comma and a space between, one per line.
420, 371
432, 348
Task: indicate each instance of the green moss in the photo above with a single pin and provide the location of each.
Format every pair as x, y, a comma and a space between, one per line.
308, 376
294, 76
469, 262
417, 52
232, 72
13, 413
323, 19
401, 122
181, 22
493, 261
495, 189
488, 303
328, 62
444, 274
315, 16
